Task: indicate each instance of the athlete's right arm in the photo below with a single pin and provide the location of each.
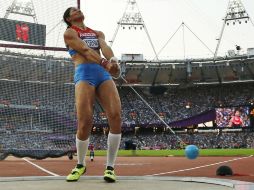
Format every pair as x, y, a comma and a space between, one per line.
72, 39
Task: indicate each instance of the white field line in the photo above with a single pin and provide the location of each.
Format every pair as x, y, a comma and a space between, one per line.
198, 167
39, 167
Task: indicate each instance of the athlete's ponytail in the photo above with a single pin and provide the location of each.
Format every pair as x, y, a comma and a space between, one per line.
67, 15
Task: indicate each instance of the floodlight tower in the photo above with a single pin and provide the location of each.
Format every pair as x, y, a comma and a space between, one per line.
25, 8
236, 13
132, 19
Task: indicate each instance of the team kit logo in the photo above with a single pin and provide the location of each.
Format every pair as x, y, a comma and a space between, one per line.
90, 39
22, 32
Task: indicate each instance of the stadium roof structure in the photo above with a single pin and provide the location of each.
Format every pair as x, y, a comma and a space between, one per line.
234, 69
239, 68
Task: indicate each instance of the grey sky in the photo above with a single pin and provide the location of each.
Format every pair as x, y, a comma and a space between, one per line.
162, 18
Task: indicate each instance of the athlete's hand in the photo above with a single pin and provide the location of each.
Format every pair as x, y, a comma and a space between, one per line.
115, 68
105, 64
111, 66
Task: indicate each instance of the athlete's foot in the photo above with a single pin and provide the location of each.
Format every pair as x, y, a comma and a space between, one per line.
109, 175
76, 173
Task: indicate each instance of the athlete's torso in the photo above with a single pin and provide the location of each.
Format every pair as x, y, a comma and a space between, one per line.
90, 37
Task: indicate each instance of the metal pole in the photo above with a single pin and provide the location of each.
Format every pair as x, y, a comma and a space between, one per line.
8, 11
118, 25
169, 40
219, 40
78, 4
221, 33
150, 40
183, 42
114, 37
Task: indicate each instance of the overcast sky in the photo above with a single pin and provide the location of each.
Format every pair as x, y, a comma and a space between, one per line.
162, 18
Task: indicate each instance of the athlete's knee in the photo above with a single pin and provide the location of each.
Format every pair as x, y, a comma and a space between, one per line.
85, 123
84, 131
115, 116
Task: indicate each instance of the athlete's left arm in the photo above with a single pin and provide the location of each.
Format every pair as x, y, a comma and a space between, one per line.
108, 53
105, 49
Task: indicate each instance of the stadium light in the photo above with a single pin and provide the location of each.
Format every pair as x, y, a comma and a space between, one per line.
238, 48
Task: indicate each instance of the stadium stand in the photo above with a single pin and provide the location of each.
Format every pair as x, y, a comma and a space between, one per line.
37, 105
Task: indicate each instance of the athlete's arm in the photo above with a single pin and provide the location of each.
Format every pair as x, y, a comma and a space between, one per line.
105, 49
108, 53
72, 39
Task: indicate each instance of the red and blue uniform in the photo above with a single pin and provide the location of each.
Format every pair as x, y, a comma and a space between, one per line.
92, 73
89, 36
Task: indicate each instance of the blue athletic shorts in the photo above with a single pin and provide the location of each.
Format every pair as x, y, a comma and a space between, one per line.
92, 73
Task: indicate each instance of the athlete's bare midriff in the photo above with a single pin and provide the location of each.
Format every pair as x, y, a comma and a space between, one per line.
79, 59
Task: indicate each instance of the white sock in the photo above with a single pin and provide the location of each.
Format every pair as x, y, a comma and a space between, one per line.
82, 147
113, 146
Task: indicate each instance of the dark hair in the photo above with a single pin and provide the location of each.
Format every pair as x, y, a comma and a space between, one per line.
237, 110
67, 15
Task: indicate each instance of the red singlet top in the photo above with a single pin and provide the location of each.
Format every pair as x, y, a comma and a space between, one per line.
236, 120
89, 36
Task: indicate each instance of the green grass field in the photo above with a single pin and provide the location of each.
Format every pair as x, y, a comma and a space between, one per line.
163, 153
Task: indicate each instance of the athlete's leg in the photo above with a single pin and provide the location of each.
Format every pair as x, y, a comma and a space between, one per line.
84, 96
109, 98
